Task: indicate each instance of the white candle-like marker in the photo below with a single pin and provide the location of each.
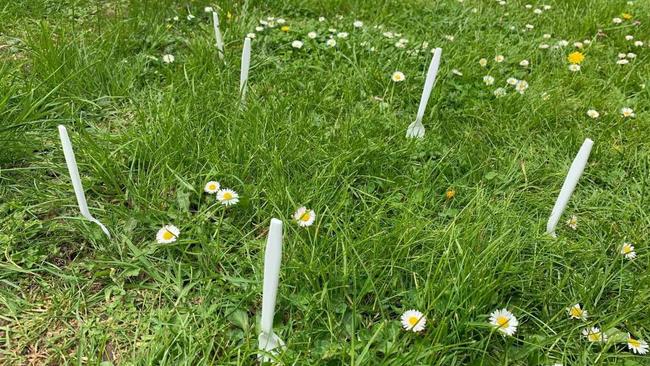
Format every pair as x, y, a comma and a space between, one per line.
416, 129
268, 341
71, 162
575, 171
217, 34
245, 65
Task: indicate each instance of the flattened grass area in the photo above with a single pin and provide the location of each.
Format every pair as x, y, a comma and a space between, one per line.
322, 128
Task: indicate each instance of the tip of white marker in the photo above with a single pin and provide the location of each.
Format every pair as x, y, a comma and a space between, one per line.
589, 141
276, 222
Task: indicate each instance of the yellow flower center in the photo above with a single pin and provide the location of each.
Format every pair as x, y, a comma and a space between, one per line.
634, 343
227, 196
576, 312
627, 249
576, 57
413, 320
167, 235
503, 321
450, 194
594, 337
306, 216
212, 187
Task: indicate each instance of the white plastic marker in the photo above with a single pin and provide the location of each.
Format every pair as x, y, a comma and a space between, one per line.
577, 167
268, 341
416, 129
217, 34
71, 162
245, 65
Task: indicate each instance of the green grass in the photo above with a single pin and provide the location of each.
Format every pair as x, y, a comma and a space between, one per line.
322, 128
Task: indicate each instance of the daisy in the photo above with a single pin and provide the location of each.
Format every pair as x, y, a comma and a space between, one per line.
547, 7
483, 62
167, 234
578, 44
638, 43
208, 9
400, 45
528, 6
211, 187
388, 34
627, 112
628, 251
543, 46
280, 21
563, 43
304, 217
321, 19
637, 345
521, 86
251, 35
499, 58
456, 72
312, 35
593, 113
449, 38
500, 92
617, 20
577, 312
572, 222
168, 59
574, 67
357, 24
538, 11
524, 63
631, 55
546, 36
504, 321
398, 76
413, 320
529, 26
190, 17
296, 44
511, 81
342, 35
576, 58
227, 197
594, 334
259, 29
623, 62
330, 43
488, 80
629, 37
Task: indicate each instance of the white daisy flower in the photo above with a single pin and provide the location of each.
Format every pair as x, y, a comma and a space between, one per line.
190, 17
388, 34
524, 63
500, 92
357, 24
167, 234
413, 320
547, 7
168, 59
529, 26
563, 43
456, 72
528, 6
175, 18
574, 67
594, 335
586, 41
637, 345
577, 312
617, 20
450, 38
502, 3
512, 81
629, 37
499, 58
623, 62
251, 35
572, 222
628, 251
504, 321
312, 35
545, 96
488, 80
638, 43
296, 44
342, 35
593, 113
483, 62
330, 43
227, 197
280, 21
259, 29
543, 46
208, 9
321, 19
622, 55
304, 217
521, 86
400, 45
211, 187
263, 22
546, 36
627, 112
578, 45
631, 55
538, 11
398, 76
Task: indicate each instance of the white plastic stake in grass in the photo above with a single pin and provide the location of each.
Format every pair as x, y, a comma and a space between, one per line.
71, 162
217, 34
268, 341
577, 167
245, 65
416, 129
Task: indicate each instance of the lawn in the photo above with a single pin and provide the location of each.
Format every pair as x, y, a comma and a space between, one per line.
452, 224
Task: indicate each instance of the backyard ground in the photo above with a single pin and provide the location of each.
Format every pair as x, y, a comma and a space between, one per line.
452, 225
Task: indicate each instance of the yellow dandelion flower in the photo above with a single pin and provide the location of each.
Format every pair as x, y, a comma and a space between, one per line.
626, 16
450, 194
576, 58
284, 28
